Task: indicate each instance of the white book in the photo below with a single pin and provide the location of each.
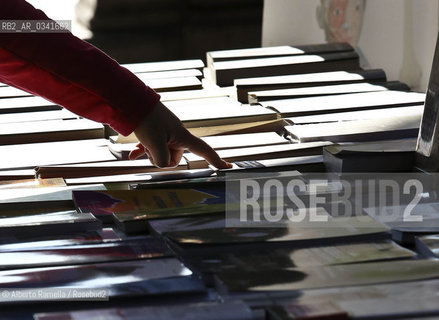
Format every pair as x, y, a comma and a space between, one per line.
258, 153
358, 115
344, 102
10, 92
8, 105
146, 76
217, 111
32, 155
245, 140
258, 96
164, 65
62, 114
357, 130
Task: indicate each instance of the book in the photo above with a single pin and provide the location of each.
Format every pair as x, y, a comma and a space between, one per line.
302, 164
319, 310
94, 169
26, 104
211, 92
426, 154
50, 130
240, 128
218, 178
260, 153
51, 153
252, 234
137, 278
266, 95
227, 310
17, 174
236, 128
217, 111
132, 208
345, 102
384, 156
164, 65
246, 85
218, 142
77, 254
209, 264
62, 114
274, 51
32, 183
41, 242
40, 196
172, 74
233, 141
224, 72
174, 84
357, 274
406, 220
11, 92
151, 177
50, 223
357, 115
428, 246
321, 255
357, 130
379, 308
415, 295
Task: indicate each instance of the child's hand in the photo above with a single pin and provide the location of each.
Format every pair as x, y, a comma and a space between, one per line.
163, 138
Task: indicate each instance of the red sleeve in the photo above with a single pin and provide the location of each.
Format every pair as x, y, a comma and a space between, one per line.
72, 73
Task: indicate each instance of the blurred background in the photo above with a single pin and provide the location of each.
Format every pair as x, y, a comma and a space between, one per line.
397, 35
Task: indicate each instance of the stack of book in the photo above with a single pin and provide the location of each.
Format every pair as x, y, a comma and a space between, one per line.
100, 236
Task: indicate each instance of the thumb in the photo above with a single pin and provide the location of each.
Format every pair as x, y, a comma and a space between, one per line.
159, 153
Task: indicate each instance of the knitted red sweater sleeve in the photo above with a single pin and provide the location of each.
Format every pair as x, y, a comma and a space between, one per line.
72, 73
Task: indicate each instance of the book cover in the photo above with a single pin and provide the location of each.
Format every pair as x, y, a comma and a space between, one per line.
260, 153
345, 102
11, 92
49, 223
315, 311
285, 233
224, 72
428, 246
274, 51
322, 255
217, 111
421, 219
21, 196
142, 277
52, 130
41, 242
228, 310
384, 156
84, 254
53, 153
246, 85
164, 65
26, 104
357, 130
91, 169
357, 115
63, 114
327, 276
143, 178
132, 208
266, 95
